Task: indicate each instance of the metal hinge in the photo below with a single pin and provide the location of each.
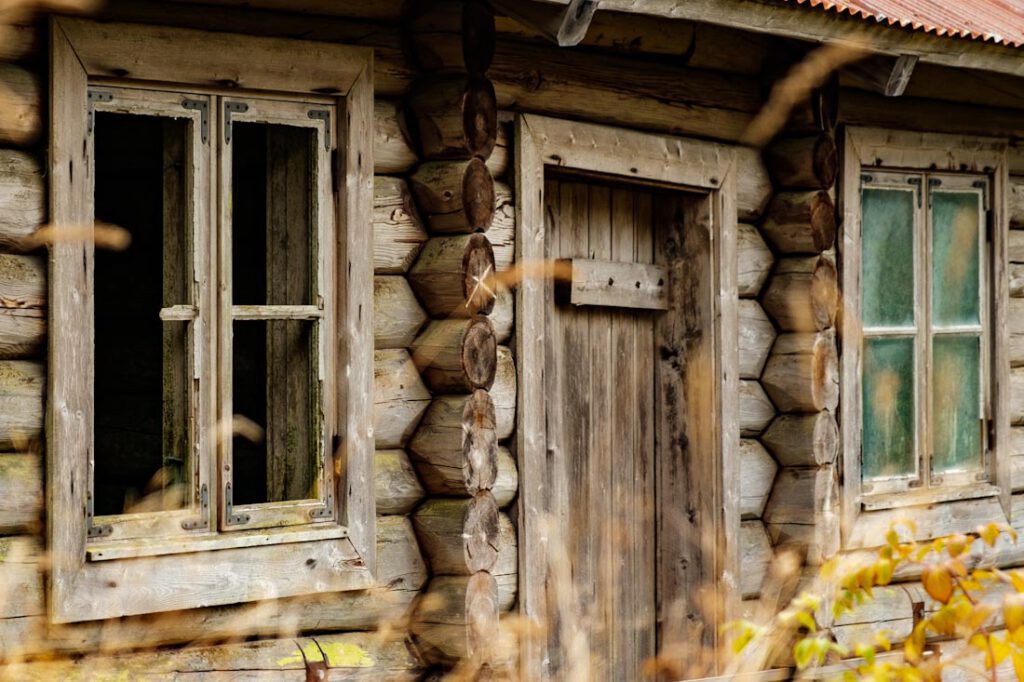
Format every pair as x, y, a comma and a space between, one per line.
94, 530
325, 116
203, 107
916, 182
230, 517
232, 108
92, 97
204, 512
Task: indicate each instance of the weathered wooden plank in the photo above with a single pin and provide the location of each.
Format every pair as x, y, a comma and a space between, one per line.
21, 493
756, 334
397, 488
398, 233
757, 474
596, 282
399, 398
932, 520
22, 197
397, 315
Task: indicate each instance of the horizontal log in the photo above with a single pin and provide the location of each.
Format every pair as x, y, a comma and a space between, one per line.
456, 196
22, 281
754, 260
397, 488
399, 398
933, 521
21, 105
756, 336
503, 393
503, 314
450, 276
506, 567
457, 619
392, 151
398, 233
1015, 201
502, 233
450, 34
397, 315
348, 655
815, 542
802, 374
753, 185
755, 557
456, 355
22, 197
506, 485
500, 159
800, 222
803, 439
21, 576
21, 492
455, 115
21, 43
22, 333
455, 449
756, 410
613, 284
22, 386
803, 162
803, 294
459, 536
801, 495
757, 474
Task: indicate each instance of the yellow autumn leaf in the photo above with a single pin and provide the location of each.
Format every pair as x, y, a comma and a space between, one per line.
956, 545
938, 583
1018, 665
913, 648
989, 533
1013, 611
999, 650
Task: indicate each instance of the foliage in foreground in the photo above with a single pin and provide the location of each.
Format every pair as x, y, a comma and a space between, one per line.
982, 607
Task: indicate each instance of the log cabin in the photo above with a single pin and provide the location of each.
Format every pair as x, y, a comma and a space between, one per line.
565, 317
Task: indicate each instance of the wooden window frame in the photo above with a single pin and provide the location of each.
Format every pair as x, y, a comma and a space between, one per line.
241, 566
708, 171
866, 516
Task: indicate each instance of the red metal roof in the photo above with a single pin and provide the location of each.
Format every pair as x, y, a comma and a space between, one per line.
997, 21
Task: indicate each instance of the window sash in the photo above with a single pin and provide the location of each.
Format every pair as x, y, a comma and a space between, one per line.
924, 330
197, 313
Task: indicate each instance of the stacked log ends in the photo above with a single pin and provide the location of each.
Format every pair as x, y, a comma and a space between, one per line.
455, 446
452, 277
459, 535
801, 222
506, 485
803, 509
455, 115
803, 439
503, 314
397, 490
502, 233
392, 151
803, 294
803, 162
451, 34
503, 392
399, 398
21, 121
457, 196
457, 619
506, 567
457, 356
802, 374
398, 233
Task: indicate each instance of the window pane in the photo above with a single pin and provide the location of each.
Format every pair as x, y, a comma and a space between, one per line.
273, 250
142, 364
274, 385
889, 406
888, 257
955, 258
957, 414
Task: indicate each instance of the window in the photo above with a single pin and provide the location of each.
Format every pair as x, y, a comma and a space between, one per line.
925, 407
203, 445
924, 308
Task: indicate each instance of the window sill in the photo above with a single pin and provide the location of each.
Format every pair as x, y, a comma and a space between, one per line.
932, 519
206, 542
913, 498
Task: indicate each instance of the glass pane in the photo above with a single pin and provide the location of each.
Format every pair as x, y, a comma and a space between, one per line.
142, 364
274, 386
955, 258
888, 448
956, 387
887, 257
273, 182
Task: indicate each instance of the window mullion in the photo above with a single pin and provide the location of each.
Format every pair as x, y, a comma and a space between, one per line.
925, 380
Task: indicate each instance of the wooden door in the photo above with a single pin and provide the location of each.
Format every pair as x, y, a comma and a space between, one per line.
601, 423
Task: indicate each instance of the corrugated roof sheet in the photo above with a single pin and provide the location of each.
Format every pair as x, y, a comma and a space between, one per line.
996, 21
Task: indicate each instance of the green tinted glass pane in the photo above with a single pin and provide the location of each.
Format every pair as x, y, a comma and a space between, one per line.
887, 257
955, 258
888, 445
956, 385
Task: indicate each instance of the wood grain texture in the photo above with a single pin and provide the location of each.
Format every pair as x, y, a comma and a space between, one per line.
613, 284
802, 374
457, 355
22, 196
754, 260
455, 115
21, 117
455, 448
756, 553
397, 488
456, 196
459, 536
457, 620
757, 474
450, 276
502, 232
803, 439
503, 393
800, 222
399, 398
756, 409
397, 315
803, 162
506, 484
392, 150
502, 316
398, 233
803, 294
756, 334
21, 492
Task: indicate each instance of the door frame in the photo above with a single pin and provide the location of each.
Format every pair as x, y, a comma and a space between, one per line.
708, 172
